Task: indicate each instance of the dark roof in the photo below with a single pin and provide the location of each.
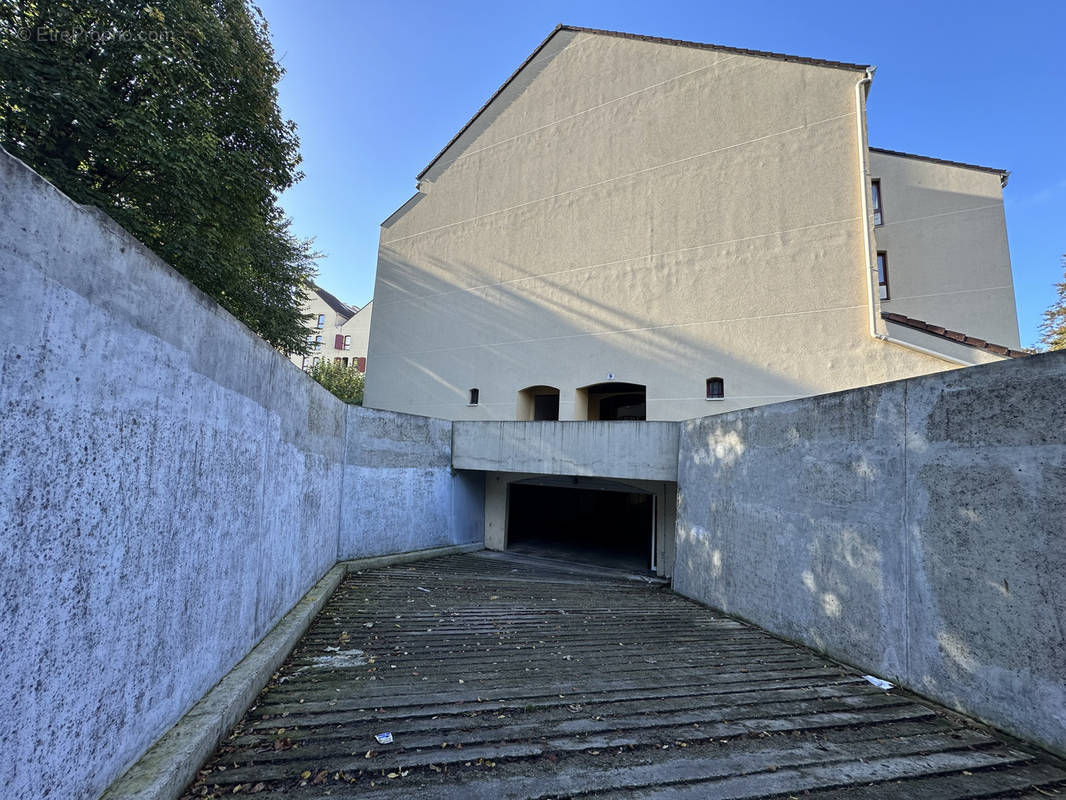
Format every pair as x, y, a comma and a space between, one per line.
954, 336
1004, 174
331, 301
818, 62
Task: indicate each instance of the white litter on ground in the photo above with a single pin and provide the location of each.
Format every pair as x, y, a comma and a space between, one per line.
341, 659
880, 684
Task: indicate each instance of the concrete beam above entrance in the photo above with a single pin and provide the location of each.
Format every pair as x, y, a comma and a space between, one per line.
635, 450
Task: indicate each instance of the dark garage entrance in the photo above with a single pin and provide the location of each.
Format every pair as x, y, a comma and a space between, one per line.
610, 525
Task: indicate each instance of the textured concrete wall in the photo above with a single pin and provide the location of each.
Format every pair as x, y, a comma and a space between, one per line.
645, 450
664, 214
401, 492
170, 486
916, 528
161, 493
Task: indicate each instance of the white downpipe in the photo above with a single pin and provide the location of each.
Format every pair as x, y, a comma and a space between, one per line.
864, 176
864, 179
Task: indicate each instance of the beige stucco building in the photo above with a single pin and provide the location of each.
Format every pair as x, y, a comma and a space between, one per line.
636, 227
338, 331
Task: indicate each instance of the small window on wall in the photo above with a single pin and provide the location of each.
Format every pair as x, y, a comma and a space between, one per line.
882, 273
878, 216
347, 342
474, 396
321, 320
315, 362
318, 343
715, 389
303, 364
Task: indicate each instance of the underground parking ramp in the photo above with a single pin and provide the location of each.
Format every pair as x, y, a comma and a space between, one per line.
500, 678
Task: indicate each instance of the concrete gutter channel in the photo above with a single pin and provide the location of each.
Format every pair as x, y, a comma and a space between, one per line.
170, 765
519, 678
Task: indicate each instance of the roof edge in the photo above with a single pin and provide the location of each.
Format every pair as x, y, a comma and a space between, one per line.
331, 300
815, 62
1004, 174
489, 102
952, 336
638, 37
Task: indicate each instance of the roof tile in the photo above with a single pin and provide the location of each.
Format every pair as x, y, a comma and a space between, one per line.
955, 336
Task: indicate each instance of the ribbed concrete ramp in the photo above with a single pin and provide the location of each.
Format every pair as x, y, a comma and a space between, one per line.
502, 678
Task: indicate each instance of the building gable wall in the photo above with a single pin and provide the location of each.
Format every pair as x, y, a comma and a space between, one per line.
657, 213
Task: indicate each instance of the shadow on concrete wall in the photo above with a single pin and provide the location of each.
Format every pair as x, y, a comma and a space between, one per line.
912, 528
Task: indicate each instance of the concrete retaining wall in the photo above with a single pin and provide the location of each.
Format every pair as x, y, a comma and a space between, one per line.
401, 492
170, 486
161, 502
916, 529
641, 450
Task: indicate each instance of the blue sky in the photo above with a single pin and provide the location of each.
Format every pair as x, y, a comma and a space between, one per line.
377, 89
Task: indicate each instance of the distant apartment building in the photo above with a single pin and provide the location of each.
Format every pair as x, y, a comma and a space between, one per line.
339, 332
641, 228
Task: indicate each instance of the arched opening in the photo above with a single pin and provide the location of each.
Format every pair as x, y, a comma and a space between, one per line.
538, 403
594, 521
612, 401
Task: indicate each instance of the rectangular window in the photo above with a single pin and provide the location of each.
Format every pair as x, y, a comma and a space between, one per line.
303, 364
321, 320
315, 362
715, 388
882, 273
318, 343
347, 342
878, 216
474, 396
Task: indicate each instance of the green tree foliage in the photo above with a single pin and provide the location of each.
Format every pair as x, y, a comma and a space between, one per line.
345, 382
1053, 328
164, 114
